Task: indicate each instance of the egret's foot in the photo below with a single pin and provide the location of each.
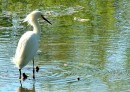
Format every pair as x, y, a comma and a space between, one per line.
78, 79
24, 76
37, 69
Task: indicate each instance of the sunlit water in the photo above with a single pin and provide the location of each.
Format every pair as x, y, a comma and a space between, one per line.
86, 49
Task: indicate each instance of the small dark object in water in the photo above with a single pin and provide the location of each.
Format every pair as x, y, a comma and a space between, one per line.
78, 78
24, 76
37, 68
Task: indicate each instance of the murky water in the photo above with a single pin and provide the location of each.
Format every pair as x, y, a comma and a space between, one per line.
86, 49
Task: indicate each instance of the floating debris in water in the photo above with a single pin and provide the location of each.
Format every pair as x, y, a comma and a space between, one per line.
81, 20
65, 65
37, 69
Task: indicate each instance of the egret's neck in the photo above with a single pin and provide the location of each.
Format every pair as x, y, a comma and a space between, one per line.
36, 27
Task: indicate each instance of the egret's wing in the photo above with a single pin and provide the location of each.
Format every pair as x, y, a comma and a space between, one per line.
22, 44
26, 49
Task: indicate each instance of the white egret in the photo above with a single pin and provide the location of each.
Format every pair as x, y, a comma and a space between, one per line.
28, 43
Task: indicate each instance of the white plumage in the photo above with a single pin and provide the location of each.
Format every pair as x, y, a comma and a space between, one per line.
28, 43
26, 49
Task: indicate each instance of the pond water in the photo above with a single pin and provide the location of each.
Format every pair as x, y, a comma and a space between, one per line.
86, 49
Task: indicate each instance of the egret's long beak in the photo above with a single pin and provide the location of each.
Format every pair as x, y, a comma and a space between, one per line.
46, 19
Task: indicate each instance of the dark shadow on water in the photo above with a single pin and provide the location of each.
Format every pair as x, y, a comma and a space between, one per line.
22, 89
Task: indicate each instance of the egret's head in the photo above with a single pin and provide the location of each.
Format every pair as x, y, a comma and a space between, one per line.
33, 16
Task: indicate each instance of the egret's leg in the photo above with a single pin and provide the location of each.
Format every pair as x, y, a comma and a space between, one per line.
33, 70
19, 73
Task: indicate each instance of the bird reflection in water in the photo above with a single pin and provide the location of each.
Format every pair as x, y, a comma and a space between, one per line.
22, 89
